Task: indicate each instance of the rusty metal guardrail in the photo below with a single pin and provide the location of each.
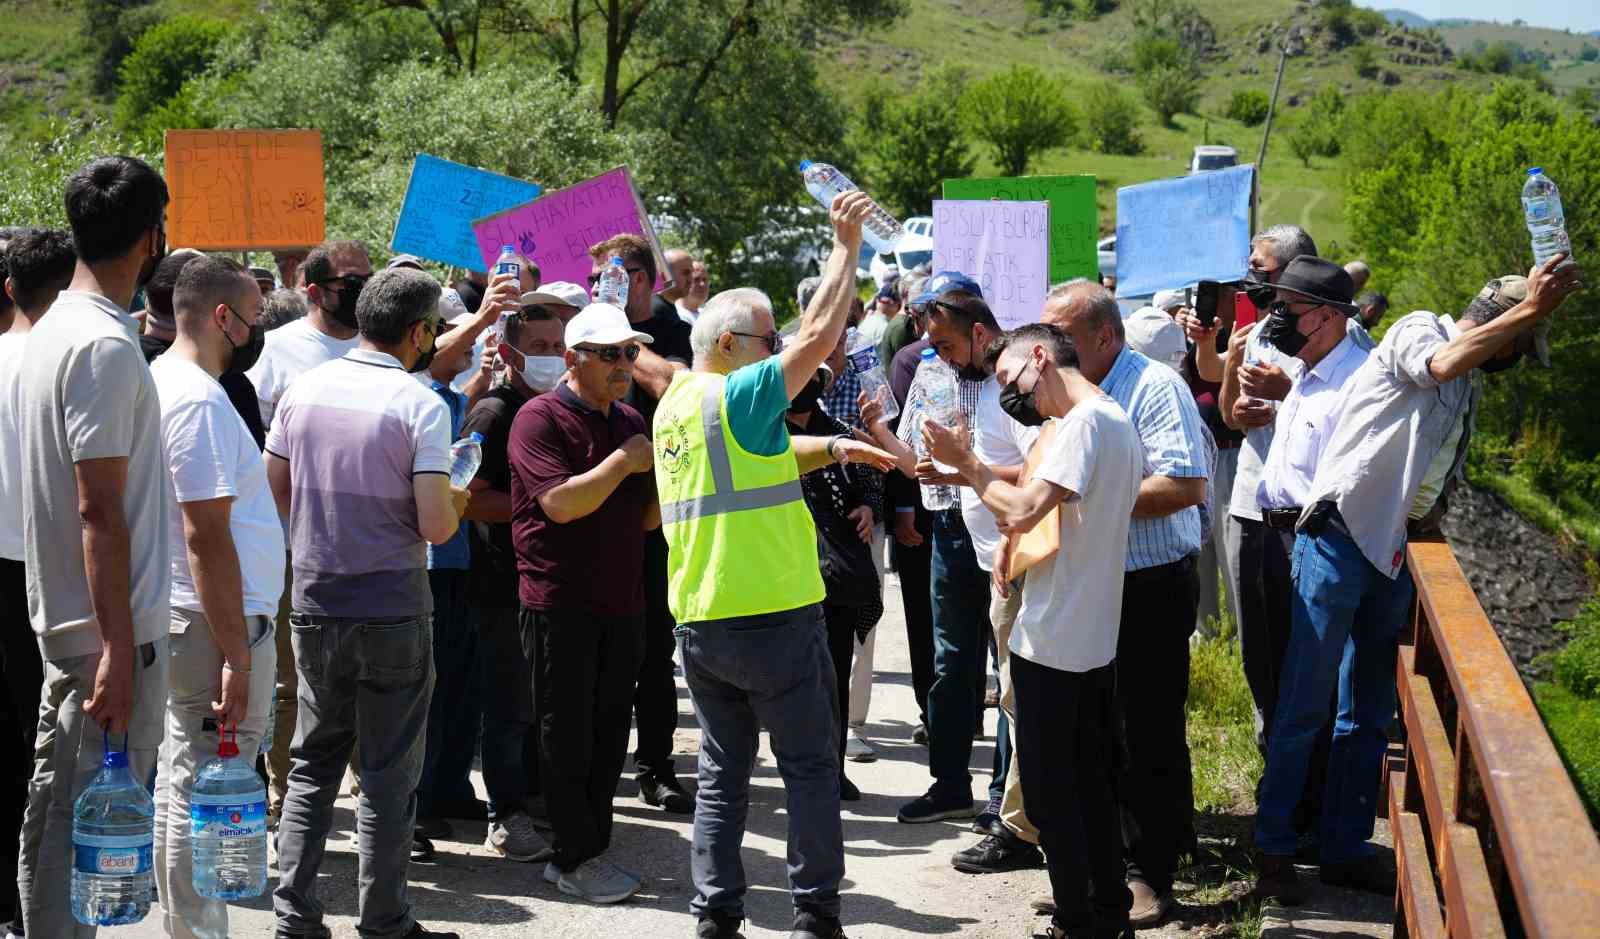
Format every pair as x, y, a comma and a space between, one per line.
1490, 837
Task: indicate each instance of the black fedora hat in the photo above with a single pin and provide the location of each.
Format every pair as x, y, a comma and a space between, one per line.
1321, 280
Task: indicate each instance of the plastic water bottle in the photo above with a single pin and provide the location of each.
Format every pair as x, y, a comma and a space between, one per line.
824, 182
113, 846
228, 818
1541, 207
466, 455
938, 401
864, 357
508, 262
613, 286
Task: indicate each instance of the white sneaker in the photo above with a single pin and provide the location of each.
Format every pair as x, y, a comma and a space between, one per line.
598, 881
516, 839
857, 750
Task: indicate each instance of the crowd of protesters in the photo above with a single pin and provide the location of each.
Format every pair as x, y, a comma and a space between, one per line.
232, 510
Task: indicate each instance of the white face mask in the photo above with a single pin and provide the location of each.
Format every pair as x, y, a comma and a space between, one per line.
542, 372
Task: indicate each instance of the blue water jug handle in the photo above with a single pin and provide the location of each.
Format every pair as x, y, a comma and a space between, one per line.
115, 759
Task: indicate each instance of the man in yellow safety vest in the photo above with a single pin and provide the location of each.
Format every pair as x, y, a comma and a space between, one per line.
744, 585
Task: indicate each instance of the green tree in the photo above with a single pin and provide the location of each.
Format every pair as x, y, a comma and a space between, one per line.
163, 59
1018, 114
1111, 120
1365, 61
1248, 106
1170, 90
32, 178
111, 27
912, 143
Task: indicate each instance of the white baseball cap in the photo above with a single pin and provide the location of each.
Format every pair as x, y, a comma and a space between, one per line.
559, 293
452, 309
1157, 336
1167, 300
601, 324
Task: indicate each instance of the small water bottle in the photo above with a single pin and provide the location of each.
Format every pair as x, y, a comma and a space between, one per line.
613, 286
466, 455
228, 833
939, 402
824, 182
508, 262
113, 846
864, 357
1541, 207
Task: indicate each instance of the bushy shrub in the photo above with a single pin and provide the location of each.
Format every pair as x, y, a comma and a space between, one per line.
163, 59
1111, 121
1170, 90
1248, 107
1577, 667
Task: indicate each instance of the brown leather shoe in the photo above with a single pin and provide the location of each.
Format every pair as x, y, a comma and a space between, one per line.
1149, 908
1276, 880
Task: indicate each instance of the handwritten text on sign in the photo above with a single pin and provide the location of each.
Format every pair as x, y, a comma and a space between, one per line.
557, 229
441, 201
1175, 232
1004, 246
240, 189
1073, 216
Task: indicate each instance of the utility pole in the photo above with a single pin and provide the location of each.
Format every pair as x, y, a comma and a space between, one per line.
1277, 84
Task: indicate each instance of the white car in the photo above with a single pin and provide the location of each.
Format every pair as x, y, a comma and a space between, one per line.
1207, 158
1106, 248
913, 249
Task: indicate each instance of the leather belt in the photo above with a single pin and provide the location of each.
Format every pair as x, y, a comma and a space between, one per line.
1281, 519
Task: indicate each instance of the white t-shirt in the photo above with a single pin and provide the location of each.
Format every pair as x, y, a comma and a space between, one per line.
1072, 605
997, 440
211, 455
11, 547
292, 350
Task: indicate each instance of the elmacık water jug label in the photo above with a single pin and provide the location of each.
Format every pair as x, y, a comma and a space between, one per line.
864, 358
111, 855
227, 817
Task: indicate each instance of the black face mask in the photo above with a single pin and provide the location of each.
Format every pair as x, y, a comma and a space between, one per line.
1279, 331
1258, 290
425, 359
969, 371
806, 401
1018, 404
246, 355
345, 313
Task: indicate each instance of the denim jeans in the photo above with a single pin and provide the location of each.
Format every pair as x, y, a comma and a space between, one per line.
1347, 619
745, 674
359, 679
960, 593
456, 711
912, 566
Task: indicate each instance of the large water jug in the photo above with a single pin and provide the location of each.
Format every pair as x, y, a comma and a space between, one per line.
228, 833
1547, 223
863, 357
113, 846
613, 285
938, 399
466, 455
824, 182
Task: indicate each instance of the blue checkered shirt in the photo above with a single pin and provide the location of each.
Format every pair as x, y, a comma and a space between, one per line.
840, 401
1163, 411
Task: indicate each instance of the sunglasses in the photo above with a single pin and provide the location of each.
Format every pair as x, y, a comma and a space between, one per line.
610, 354
595, 278
347, 282
773, 341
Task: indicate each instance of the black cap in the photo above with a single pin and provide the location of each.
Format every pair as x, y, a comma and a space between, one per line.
1321, 280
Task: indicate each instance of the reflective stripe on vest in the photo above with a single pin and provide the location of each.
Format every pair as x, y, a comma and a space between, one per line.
725, 498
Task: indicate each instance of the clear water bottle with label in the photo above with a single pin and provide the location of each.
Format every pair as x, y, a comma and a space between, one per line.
508, 262
938, 401
228, 833
466, 455
613, 285
882, 230
863, 357
113, 846
1547, 223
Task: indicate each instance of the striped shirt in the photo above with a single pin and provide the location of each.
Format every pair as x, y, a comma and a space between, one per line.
355, 431
1169, 425
840, 401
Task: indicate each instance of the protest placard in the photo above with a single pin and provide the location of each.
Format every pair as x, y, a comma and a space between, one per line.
1175, 232
1074, 222
234, 190
1004, 246
557, 229
441, 201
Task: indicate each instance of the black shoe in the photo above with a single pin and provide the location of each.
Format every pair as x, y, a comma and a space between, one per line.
1276, 880
808, 925
466, 810
665, 792
323, 934
418, 931
931, 808
432, 826
920, 735
718, 927
1367, 875
421, 849
848, 791
998, 853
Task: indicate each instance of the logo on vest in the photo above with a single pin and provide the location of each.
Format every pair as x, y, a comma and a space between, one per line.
672, 447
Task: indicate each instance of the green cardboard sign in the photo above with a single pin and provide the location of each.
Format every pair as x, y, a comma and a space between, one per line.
1073, 217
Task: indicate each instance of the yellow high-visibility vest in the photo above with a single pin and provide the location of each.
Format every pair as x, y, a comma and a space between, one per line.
739, 536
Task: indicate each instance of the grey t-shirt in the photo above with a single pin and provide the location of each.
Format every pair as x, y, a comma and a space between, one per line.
85, 393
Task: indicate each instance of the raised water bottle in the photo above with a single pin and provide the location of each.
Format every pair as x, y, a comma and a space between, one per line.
863, 357
466, 455
508, 262
938, 401
824, 182
613, 285
1541, 207
228, 833
113, 841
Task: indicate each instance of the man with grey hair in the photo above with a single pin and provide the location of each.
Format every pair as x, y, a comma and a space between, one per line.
1359, 273
1160, 593
358, 459
743, 563
282, 307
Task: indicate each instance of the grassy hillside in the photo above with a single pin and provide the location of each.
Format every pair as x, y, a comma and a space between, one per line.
1465, 36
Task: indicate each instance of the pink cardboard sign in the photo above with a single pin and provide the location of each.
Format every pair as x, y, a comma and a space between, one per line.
557, 229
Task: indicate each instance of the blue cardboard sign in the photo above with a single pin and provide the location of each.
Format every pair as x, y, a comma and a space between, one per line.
1174, 232
441, 201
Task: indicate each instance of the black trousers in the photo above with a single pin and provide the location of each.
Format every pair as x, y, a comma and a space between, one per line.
841, 624
510, 741
1155, 783
586, 672
655, 699
1066, 740
19, 726
914, 568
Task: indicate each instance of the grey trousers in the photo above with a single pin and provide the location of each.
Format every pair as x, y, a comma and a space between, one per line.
67, 757
745, 674
366, 680
1216, 555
